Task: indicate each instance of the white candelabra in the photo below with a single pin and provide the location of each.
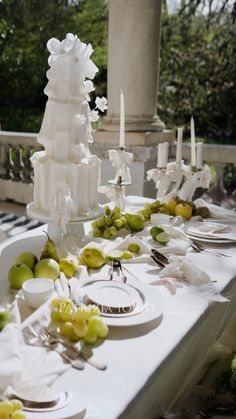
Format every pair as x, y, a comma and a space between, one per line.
175, 178
121, 160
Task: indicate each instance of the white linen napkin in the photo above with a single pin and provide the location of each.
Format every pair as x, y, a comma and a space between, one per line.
216, 212
182, 271
177, 246
26, 370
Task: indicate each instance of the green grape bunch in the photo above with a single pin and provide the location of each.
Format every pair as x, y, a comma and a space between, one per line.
75, 323
12, 409
109, 224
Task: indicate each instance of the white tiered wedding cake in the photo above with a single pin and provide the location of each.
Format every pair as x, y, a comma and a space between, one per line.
66, 174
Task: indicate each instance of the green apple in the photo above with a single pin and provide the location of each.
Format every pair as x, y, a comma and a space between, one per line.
185, 210
5, 317
28, 258
18, 274
47, 268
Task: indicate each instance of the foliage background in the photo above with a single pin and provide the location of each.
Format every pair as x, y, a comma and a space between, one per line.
25, 27
197, 72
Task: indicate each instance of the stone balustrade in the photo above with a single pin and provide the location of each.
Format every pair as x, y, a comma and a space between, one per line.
16, 173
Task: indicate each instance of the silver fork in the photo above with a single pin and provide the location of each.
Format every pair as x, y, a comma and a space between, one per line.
52, 337
200, 248
31, 339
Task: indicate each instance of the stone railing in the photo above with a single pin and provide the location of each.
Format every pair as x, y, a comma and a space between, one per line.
16, 173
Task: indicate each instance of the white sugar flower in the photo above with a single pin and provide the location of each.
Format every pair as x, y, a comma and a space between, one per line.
83, 52
88, 86
80, 119
93, 117
101, 103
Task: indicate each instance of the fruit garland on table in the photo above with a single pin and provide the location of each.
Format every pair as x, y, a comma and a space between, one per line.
113, 220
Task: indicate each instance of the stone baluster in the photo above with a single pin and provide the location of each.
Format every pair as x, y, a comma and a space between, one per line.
6, 159
27, 169
217, 192
16, 163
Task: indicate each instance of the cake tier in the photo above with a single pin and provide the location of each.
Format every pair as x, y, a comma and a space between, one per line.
58, 185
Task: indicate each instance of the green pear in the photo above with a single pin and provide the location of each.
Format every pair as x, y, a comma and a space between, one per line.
67, 266
18, 274
5, 317
135, 222
47, 268
93, 257
28, 258
49, 251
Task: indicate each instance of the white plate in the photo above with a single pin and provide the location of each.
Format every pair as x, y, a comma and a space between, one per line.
149, 307
72, 408
196, 230
208, 240
112, 294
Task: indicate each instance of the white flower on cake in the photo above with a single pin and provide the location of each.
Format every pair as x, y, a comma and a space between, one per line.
101, 103
93, 116
66, 169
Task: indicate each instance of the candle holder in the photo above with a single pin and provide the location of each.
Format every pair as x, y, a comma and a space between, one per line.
167, 180
121, 160
197, 180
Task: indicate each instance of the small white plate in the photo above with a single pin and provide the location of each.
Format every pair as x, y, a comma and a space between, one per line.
72, 407
112, 294
149, 306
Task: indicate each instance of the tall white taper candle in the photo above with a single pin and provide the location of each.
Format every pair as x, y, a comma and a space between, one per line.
122, 120
159, 155
179, 145
199, 155
193, 145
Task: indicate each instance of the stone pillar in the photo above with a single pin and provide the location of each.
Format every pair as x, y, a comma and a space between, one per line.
133, 66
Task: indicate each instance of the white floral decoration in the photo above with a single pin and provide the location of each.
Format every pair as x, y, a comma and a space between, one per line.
101, 103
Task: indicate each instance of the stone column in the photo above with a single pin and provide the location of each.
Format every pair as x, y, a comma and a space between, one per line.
133, 66
133, 63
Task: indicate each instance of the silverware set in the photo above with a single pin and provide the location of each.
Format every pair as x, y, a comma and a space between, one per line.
38, 335
160, 259
200, 248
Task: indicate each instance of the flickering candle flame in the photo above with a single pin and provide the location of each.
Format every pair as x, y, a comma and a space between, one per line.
193, 144
179, 145
122, 120
199, 155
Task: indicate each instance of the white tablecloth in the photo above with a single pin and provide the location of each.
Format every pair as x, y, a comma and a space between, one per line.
151, 365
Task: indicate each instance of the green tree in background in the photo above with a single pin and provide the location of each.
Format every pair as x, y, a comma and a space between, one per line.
198, 72
25, 27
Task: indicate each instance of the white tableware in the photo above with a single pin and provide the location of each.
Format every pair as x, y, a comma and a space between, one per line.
149, 306
209, 240
37, 291
212, 232
69, 406
113, 294
159, 219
